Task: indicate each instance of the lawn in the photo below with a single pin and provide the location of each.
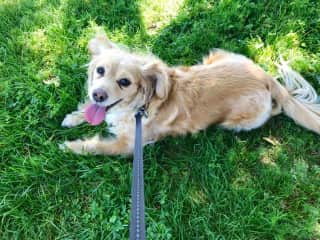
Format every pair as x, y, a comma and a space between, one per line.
217, 184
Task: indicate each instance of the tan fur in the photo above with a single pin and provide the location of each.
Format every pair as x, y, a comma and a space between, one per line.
227, 89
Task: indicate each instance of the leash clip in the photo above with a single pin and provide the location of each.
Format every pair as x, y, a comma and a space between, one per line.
142, 112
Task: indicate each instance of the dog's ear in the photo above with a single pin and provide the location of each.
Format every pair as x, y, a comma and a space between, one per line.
157, 80
100, 43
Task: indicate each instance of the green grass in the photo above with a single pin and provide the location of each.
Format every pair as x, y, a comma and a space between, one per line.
213, 185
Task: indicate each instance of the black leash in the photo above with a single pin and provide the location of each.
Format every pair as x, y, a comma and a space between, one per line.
137, 218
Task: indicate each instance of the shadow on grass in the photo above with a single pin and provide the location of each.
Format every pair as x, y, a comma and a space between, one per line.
202, 25
112, 15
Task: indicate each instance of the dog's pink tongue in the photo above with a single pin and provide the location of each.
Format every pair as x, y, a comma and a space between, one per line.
95, 114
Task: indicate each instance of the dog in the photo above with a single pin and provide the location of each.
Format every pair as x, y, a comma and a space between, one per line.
226, 89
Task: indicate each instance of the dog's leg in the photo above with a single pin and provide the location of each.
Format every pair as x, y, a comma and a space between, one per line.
97, 146
250, 112
75, 118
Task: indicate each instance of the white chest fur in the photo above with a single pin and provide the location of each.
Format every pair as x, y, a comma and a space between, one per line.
120, 121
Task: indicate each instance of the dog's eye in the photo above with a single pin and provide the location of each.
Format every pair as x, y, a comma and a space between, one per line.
124, 82
100, 70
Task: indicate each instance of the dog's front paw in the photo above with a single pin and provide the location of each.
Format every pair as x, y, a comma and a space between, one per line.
66, 146
82, 147
63, 146
76, 146
72, 120
69, 146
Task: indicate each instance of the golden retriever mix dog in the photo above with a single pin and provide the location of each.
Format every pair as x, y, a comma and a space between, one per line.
225, 89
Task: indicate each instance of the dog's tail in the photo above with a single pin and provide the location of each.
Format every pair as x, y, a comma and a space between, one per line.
297, 98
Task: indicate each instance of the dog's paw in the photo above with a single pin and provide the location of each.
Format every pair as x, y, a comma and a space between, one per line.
77, 146
63, 146
71, 120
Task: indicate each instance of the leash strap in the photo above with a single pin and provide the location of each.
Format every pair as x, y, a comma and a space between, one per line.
137, 218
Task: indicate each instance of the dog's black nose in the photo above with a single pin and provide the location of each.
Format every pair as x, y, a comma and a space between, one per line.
99, 95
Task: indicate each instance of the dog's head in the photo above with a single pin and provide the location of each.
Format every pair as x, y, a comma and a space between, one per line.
117, 76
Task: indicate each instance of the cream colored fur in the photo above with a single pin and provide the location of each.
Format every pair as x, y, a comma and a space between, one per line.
226, 89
